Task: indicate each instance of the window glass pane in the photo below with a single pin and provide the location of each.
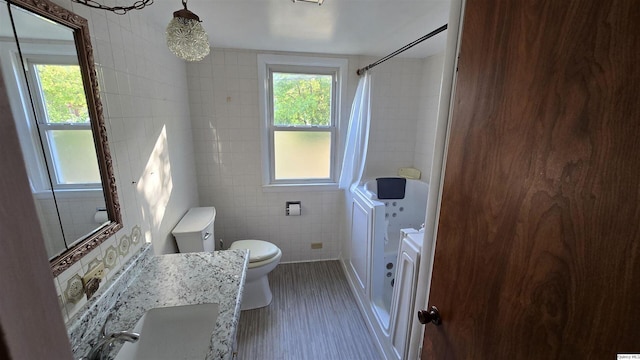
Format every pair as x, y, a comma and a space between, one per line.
302, 154
74, 156
301, 99
63, 93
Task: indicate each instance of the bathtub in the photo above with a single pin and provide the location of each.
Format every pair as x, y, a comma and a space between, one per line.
398, 214
387, 218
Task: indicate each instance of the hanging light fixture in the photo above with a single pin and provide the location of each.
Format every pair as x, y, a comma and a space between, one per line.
186, 37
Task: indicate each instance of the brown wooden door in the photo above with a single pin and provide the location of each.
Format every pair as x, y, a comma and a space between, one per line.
538, 247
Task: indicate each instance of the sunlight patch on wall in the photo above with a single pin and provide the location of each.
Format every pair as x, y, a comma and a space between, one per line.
156, 183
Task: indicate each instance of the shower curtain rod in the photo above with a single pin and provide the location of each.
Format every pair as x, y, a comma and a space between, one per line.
402, 49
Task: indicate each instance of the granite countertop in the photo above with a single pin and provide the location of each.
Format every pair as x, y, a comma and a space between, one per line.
189, 279
149, 281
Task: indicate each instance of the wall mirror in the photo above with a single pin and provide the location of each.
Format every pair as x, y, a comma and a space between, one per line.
47, 61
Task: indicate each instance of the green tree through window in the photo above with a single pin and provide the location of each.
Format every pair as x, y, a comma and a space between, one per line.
63, 93
302, 99
63, 123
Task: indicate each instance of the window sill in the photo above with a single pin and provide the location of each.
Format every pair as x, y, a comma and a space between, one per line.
300, 187
68, 193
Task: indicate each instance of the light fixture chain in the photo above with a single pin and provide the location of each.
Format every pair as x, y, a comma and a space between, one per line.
120, 10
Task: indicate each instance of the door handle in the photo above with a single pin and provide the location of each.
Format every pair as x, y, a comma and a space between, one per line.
430, 316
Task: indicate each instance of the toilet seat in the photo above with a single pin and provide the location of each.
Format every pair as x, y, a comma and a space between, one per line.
260, 252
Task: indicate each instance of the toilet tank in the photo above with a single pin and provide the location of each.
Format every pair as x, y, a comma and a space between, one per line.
194, 233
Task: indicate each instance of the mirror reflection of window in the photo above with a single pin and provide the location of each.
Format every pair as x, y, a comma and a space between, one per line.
55, 104
64, 124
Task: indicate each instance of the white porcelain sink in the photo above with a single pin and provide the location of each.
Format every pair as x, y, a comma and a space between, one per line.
177, 332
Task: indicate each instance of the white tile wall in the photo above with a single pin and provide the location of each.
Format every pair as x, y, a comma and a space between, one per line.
223, 95
428, 113
144, 93
395, 103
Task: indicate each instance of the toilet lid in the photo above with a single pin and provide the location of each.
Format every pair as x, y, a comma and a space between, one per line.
258, 250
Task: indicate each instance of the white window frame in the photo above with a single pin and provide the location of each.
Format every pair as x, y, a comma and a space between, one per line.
38, 99
11, 65
267, 64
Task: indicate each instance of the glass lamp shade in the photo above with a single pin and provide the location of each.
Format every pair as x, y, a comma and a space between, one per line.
187, 39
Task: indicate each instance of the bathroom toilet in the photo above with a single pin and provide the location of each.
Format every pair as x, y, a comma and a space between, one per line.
263, 258
195, 233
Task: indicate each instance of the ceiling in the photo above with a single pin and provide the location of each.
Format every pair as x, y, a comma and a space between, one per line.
356, 27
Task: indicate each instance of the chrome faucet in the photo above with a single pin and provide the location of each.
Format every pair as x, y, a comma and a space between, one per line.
104, 344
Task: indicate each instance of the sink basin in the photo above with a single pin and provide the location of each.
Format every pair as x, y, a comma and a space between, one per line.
177, 332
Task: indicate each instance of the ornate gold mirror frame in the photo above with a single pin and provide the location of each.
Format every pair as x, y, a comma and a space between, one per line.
84, 50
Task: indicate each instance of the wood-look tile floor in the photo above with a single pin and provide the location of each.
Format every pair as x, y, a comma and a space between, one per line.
313, 316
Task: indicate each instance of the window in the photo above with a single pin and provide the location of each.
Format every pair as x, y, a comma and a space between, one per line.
301, 106
63, 122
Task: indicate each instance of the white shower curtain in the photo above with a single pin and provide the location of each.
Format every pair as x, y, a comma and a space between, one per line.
355, 152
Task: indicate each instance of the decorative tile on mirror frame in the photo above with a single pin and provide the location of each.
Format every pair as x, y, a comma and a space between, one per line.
64, 276
124, 244
92, 257
110, 256
73, 295
113, 253
136, 235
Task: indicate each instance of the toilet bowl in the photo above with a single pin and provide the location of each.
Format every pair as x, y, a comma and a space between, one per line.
263, 258
195, 233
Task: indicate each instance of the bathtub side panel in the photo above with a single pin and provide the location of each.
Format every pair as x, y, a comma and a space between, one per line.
361, 231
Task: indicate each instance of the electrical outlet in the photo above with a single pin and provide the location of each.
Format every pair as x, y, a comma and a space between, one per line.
317, 245
96, 273
91, 280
